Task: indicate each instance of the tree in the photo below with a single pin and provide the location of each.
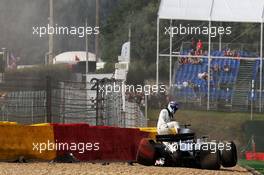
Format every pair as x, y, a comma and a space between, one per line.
142, 17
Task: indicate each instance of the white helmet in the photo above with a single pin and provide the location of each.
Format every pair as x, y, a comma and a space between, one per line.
173, 106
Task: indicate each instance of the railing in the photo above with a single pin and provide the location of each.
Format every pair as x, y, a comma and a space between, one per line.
254, 48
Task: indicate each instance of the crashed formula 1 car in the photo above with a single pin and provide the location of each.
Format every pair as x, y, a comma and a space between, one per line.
185, 150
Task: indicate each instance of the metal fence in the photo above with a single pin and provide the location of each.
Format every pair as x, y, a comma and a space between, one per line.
31, 101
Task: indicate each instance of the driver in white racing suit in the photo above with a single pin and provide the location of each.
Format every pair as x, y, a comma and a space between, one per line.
165, 124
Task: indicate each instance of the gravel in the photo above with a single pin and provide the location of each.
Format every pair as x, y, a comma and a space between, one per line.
99, 168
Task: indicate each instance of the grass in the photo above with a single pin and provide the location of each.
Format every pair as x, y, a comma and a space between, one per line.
153, 114
257, 165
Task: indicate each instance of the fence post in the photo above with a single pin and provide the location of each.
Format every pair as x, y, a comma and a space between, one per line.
32, 111
62, 106
48, 100
97, 102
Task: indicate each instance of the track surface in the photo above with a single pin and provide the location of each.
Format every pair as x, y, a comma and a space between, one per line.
98, 168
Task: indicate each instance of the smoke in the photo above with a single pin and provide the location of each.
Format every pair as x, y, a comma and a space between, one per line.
16, 21
17, 18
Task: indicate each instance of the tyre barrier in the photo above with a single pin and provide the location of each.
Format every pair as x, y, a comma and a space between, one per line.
84, 142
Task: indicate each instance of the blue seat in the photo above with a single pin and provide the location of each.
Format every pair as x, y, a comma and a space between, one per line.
189, 72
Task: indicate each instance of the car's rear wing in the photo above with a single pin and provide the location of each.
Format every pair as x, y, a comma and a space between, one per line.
175, 137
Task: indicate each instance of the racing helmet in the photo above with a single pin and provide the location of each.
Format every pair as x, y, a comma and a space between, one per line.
173, 106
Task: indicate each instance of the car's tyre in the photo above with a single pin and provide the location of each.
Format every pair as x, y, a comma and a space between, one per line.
210, 159
229, 155
146, 154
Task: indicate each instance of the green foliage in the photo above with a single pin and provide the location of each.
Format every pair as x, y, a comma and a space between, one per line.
2, 63
139, 71
136, 74
109, 67
57, 72
142, 17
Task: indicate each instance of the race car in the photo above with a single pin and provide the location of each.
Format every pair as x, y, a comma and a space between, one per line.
185, 150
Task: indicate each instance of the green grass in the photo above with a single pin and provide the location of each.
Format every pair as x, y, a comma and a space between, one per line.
153, 114
257, 165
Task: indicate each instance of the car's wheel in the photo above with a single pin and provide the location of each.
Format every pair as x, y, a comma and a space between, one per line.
146, 154
229, 155
210, 159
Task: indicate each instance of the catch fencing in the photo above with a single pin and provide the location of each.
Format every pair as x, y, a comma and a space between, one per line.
30, 101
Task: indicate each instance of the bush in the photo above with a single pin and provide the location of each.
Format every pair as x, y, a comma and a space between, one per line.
57, 72
108, 68
137, 73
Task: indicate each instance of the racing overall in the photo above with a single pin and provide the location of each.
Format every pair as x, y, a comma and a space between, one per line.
165, 125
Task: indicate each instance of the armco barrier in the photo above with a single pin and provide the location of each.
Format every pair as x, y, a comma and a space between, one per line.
104, 143
17, 140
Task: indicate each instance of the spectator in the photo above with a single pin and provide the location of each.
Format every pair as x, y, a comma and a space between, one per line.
229, 52
238, 56
190, 84
199, 47
195, 88
179, 86
197, 52
193, 44
235, 53
216, 68
200, 61
185, 60
192, 51
185, 84
203, 76
197, 60
190, 60
227, 68
225, 53
181, 61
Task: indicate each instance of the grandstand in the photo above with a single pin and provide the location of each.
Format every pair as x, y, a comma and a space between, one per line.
228, 88
212, 79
